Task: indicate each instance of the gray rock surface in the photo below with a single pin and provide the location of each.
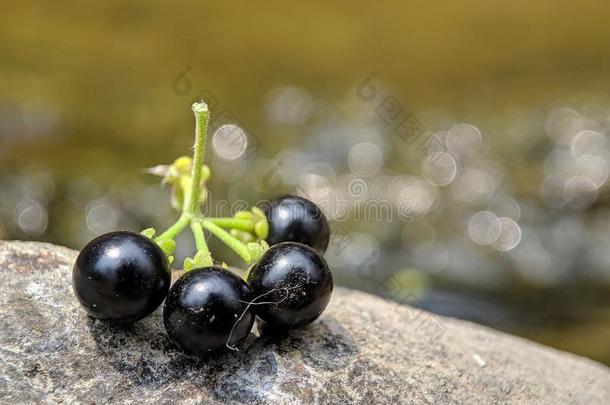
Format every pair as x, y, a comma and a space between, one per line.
363, 350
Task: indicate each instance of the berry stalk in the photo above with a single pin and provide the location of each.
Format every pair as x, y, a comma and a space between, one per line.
200, 242
175, 229
235, 244
202, 117
234, 223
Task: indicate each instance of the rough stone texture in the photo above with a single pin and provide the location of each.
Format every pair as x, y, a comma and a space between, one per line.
363, 350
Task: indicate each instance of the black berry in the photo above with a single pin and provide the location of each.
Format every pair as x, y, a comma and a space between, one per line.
207, 310
291, 285
121, 276
296, 219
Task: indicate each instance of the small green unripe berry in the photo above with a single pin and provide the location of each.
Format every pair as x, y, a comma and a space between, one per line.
244, 215
258, 213
205, 173
183, 165
261, 229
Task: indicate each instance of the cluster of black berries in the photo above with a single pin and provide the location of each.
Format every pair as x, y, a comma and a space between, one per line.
124, 276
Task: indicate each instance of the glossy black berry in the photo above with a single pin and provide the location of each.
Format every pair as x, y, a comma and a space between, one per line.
121, 276
207, 309
296, 219
291, 285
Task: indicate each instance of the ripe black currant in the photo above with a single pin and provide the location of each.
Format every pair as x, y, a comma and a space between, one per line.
291, 285
121, 276
207, 310
296, 219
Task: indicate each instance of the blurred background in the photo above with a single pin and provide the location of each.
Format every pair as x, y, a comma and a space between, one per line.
460, 149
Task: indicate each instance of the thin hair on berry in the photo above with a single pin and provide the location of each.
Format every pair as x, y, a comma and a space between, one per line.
253, 302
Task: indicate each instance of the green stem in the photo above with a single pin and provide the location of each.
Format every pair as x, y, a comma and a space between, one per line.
228, 239
193, 193
176, 228
202, 116
233, 223
200, 242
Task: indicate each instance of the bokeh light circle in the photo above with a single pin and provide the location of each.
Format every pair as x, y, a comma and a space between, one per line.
580, 192
594, 168
101, 216
464, 141
510, 235
230, 142
365, 159
587, 142
473, 186
484, 228
32, 217
562, 125
440, 168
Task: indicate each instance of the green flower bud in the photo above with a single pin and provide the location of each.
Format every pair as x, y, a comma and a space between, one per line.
205, 173
258, 213
183, 165
244, 215
261, 229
